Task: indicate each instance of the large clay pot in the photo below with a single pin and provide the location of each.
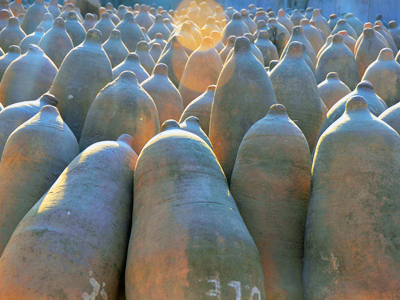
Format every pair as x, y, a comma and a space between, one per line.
236, 27
159, 27
201, 108
361, 38
89, 22
122, 11
114, 18
54, 9
352, 237
261, 25
187, 240
17, 8
271, 186
388, 38
47, 22
193, 11
75, 29
16, 114
13, 53
186, 38
219, 14
56, 43
296, 17
159, 40
192, 124
155, 52
34, 38
67, 238
145, 58
332, 89
343, 25
395, 33
203, 14
267, 49
354, 22
338, 58
143, 18
229, 46
122, 106
312, 23
327, 44
298, 36
164, 94
320, 22
217, 40
11, 34
4, 16
285, 21
243, 95
33, 16
384, 74
348, 41
391, 116
40, 148
333, 19
364, 89
312, 34
248, 21
84, 72
295, 87
66, 9
131, 63
202, 69
115, 48
280, 33
35, 73
261, 15
368, 50
131, 33
105, 25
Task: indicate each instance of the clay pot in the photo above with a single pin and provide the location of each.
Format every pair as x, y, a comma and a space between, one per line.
272, 174
4, 16
391, 116
261, 25
61, 222
75, 29
267, 49
243, 95
298, 36
280, 32
201, 108
143, 18
89, 22
16, 7
155, 52
368, 50
333, 19
343, 25
16, 114
261, 16
164, 94
11, 34
219, 14
332, 90
296, 17
229, 12
202, 69
395, 33
309, 12
249, 22
295, 87
308, 60
312, 23
122, 106
348, 40
131, 33
387, 37
285, 21
312, 34
35, 73
33, 38
56, 43
54, 9
115, 48
193, 11
356, 163
354, 22
203, 14
13, 53
47, 22
236, 27
131, 63
192, 124
208, 27
254, 49
114, 18
33, 16
121, 11
199, 230
84, 72
145, 58
320, 22
364, 89
159, 40
338, 58
326, 45
159, 27
217, 40
105, 25
186, 38
384, 75
229, 46
40, 148
378, 34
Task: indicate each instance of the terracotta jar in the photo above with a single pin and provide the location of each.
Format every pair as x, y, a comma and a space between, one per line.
33, 16
11, 34
34, 38
131, 63
332, 89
